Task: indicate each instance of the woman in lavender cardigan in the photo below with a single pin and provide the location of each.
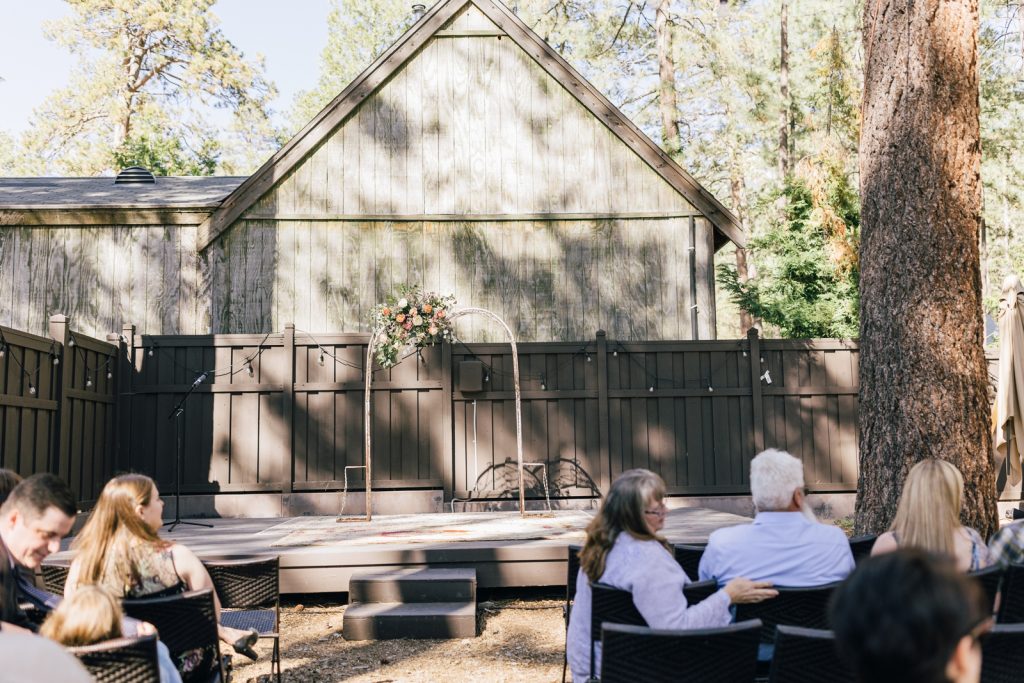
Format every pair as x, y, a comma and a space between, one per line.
623, 549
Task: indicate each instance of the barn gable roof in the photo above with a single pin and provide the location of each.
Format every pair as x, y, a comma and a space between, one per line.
363, 86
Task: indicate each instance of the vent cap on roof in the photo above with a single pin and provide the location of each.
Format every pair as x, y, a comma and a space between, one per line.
418, 10
134, 175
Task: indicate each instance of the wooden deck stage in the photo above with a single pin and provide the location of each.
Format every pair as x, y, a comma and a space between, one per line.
319, 554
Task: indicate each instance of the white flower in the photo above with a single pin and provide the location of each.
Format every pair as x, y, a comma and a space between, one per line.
402, 303
417, 321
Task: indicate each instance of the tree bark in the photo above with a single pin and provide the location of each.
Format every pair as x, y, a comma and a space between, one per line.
922, 365
737, 190
666, 79
784, 161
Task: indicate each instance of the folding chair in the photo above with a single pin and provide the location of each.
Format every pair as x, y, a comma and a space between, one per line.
187, 625
861, 546
1011, 601
699, 590
806, 607
636, 653
572, 569
609, 605
990, 578
807, 655
123, 660
1002, 654
250, 597
688, 556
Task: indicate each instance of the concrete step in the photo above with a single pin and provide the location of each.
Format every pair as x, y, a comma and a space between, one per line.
390, 620
413, 585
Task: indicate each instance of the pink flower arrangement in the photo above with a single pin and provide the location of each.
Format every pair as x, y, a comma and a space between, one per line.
414, 318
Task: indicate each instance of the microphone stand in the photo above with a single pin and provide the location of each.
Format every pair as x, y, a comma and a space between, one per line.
175, 415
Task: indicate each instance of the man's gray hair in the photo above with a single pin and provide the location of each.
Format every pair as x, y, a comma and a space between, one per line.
774, 475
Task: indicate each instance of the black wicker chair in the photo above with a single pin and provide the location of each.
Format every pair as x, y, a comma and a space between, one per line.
806, 607
610, 605
250, 597
688, 556
1002, 654
572, 568
636, 653
807, 655
699, 590
186, 622
861, 546
990, 578
124, 660
1011, 601
54, 576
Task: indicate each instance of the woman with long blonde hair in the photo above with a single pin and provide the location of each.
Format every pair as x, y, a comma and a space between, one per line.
624, 549
928, 517
119, 549
92, 616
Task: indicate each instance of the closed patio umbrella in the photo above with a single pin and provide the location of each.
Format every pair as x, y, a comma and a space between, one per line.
1008, 412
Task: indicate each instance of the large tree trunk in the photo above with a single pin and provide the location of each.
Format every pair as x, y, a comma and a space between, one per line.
784, 161
922, 365
666, 79
737, 191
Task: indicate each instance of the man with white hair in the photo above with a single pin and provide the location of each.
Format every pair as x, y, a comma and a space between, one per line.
785, 544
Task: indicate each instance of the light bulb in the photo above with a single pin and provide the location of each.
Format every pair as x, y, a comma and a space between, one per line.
110, 375
589, 359
615, 353
31, 389
88, 381
650, 389
71, 342
3, 350
248, 369
56, 360
150, 352
321, 358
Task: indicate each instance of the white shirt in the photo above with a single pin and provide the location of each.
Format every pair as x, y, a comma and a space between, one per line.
785, 548
656, 580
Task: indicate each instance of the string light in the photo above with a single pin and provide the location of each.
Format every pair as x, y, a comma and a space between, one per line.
3, 349
589, 359
543, 383
248, 368
150, 352
71, 342
31, 388
88, 380
56, 359
321, 357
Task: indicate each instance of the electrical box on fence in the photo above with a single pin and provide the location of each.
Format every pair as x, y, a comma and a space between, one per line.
471, 376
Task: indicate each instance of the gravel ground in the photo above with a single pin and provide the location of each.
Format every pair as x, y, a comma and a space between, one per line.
521, 639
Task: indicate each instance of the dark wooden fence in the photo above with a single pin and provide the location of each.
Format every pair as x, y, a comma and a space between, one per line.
56, 406
695, 412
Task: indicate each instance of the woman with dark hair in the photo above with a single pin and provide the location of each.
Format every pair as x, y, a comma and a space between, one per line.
623, 549
910, 616
119, 549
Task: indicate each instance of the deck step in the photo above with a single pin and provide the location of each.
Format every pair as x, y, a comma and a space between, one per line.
390, 620
413, 586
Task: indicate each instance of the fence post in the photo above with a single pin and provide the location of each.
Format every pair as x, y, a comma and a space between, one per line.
60, 333
125, 386
755, 389
447, 424
603, 434
113, 444
288, 466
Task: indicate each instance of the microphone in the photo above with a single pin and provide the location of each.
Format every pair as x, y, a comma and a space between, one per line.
199, 380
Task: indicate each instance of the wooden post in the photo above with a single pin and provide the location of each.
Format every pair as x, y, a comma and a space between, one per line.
125, 385
756, 397
603, 433
447, 424
113, 430
288, 466
60, 332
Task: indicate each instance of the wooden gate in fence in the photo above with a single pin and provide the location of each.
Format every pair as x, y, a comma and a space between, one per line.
283, 413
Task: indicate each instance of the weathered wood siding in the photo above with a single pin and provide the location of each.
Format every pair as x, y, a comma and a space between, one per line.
101, 277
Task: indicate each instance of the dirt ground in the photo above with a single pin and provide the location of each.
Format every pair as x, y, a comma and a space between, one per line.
521, 639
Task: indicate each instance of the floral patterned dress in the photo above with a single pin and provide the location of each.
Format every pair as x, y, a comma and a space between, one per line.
153, 576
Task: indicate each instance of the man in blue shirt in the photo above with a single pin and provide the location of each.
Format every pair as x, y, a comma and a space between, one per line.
785, 544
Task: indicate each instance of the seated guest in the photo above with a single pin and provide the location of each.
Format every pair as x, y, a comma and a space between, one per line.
90, 616
8, 480
37, 514
28, 657
928, 517
910, 617
785, 544
119, 548
623, 549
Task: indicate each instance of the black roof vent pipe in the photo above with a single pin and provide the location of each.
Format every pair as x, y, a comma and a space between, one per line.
134, 175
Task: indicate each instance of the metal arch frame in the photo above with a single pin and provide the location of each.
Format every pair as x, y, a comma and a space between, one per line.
368, 378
